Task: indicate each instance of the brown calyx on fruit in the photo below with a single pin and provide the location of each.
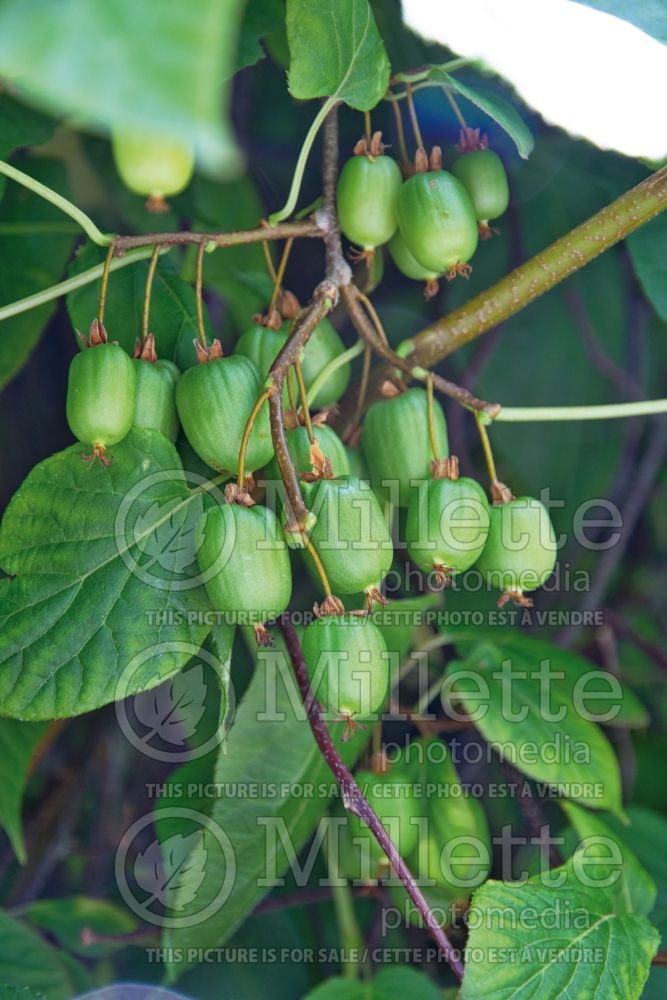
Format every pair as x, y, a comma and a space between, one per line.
500, 493
98, 454
471, 139
389, 389
145, 350
262, 636
445, 468
289, 305
157, 204
370, 147
435, 159
485, 231
375, 596
361, 256
331, 605
421, 161
517, 596
211, 353
272, 319
442, 575
351, 727
458, 270
236, 494
431, 288
97, 335
320, 465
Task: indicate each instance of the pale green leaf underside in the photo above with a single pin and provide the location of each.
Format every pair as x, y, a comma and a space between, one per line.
573, 946
336, 51
493, 105
590, 775
75, 614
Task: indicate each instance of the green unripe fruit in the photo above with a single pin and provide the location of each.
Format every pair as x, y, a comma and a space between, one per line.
391, 796
406, 262
156, 396
357, 463
214, 401
447, 525
152, 166
323, 346
244, 563
483, 175
262, 344
101, 395
347, 665
351, 535
366, 199
396, 444
331, 445
437, 220
520, 552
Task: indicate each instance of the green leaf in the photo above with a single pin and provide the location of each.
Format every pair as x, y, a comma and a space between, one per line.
260, 18
35, 244
26, 960
173, 315
555, 941
493, 105
18, 742
646, 836
390, 982
649, 15
21, 126
120, 65
581, 679
535, 725
66, 919
647, 246
85, 610
270, 750
336, 51
634, 891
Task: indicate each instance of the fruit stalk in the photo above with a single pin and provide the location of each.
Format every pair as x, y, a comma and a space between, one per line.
353, 799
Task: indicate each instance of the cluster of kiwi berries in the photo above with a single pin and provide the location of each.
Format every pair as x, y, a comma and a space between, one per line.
431, 221
450, 525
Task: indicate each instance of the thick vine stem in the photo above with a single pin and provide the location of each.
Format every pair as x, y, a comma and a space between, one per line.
324, 298
541, 273
353, 799
351, 299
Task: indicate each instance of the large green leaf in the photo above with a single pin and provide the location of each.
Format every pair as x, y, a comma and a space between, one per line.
35, 243
534, 723
103, 579
18, 742
493, 105
390, 982
26, 960
634, 889
336, 51
647, 250
564, 940
649, 15
120, 64
260, 18
600, 697
173, 315
276, 775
